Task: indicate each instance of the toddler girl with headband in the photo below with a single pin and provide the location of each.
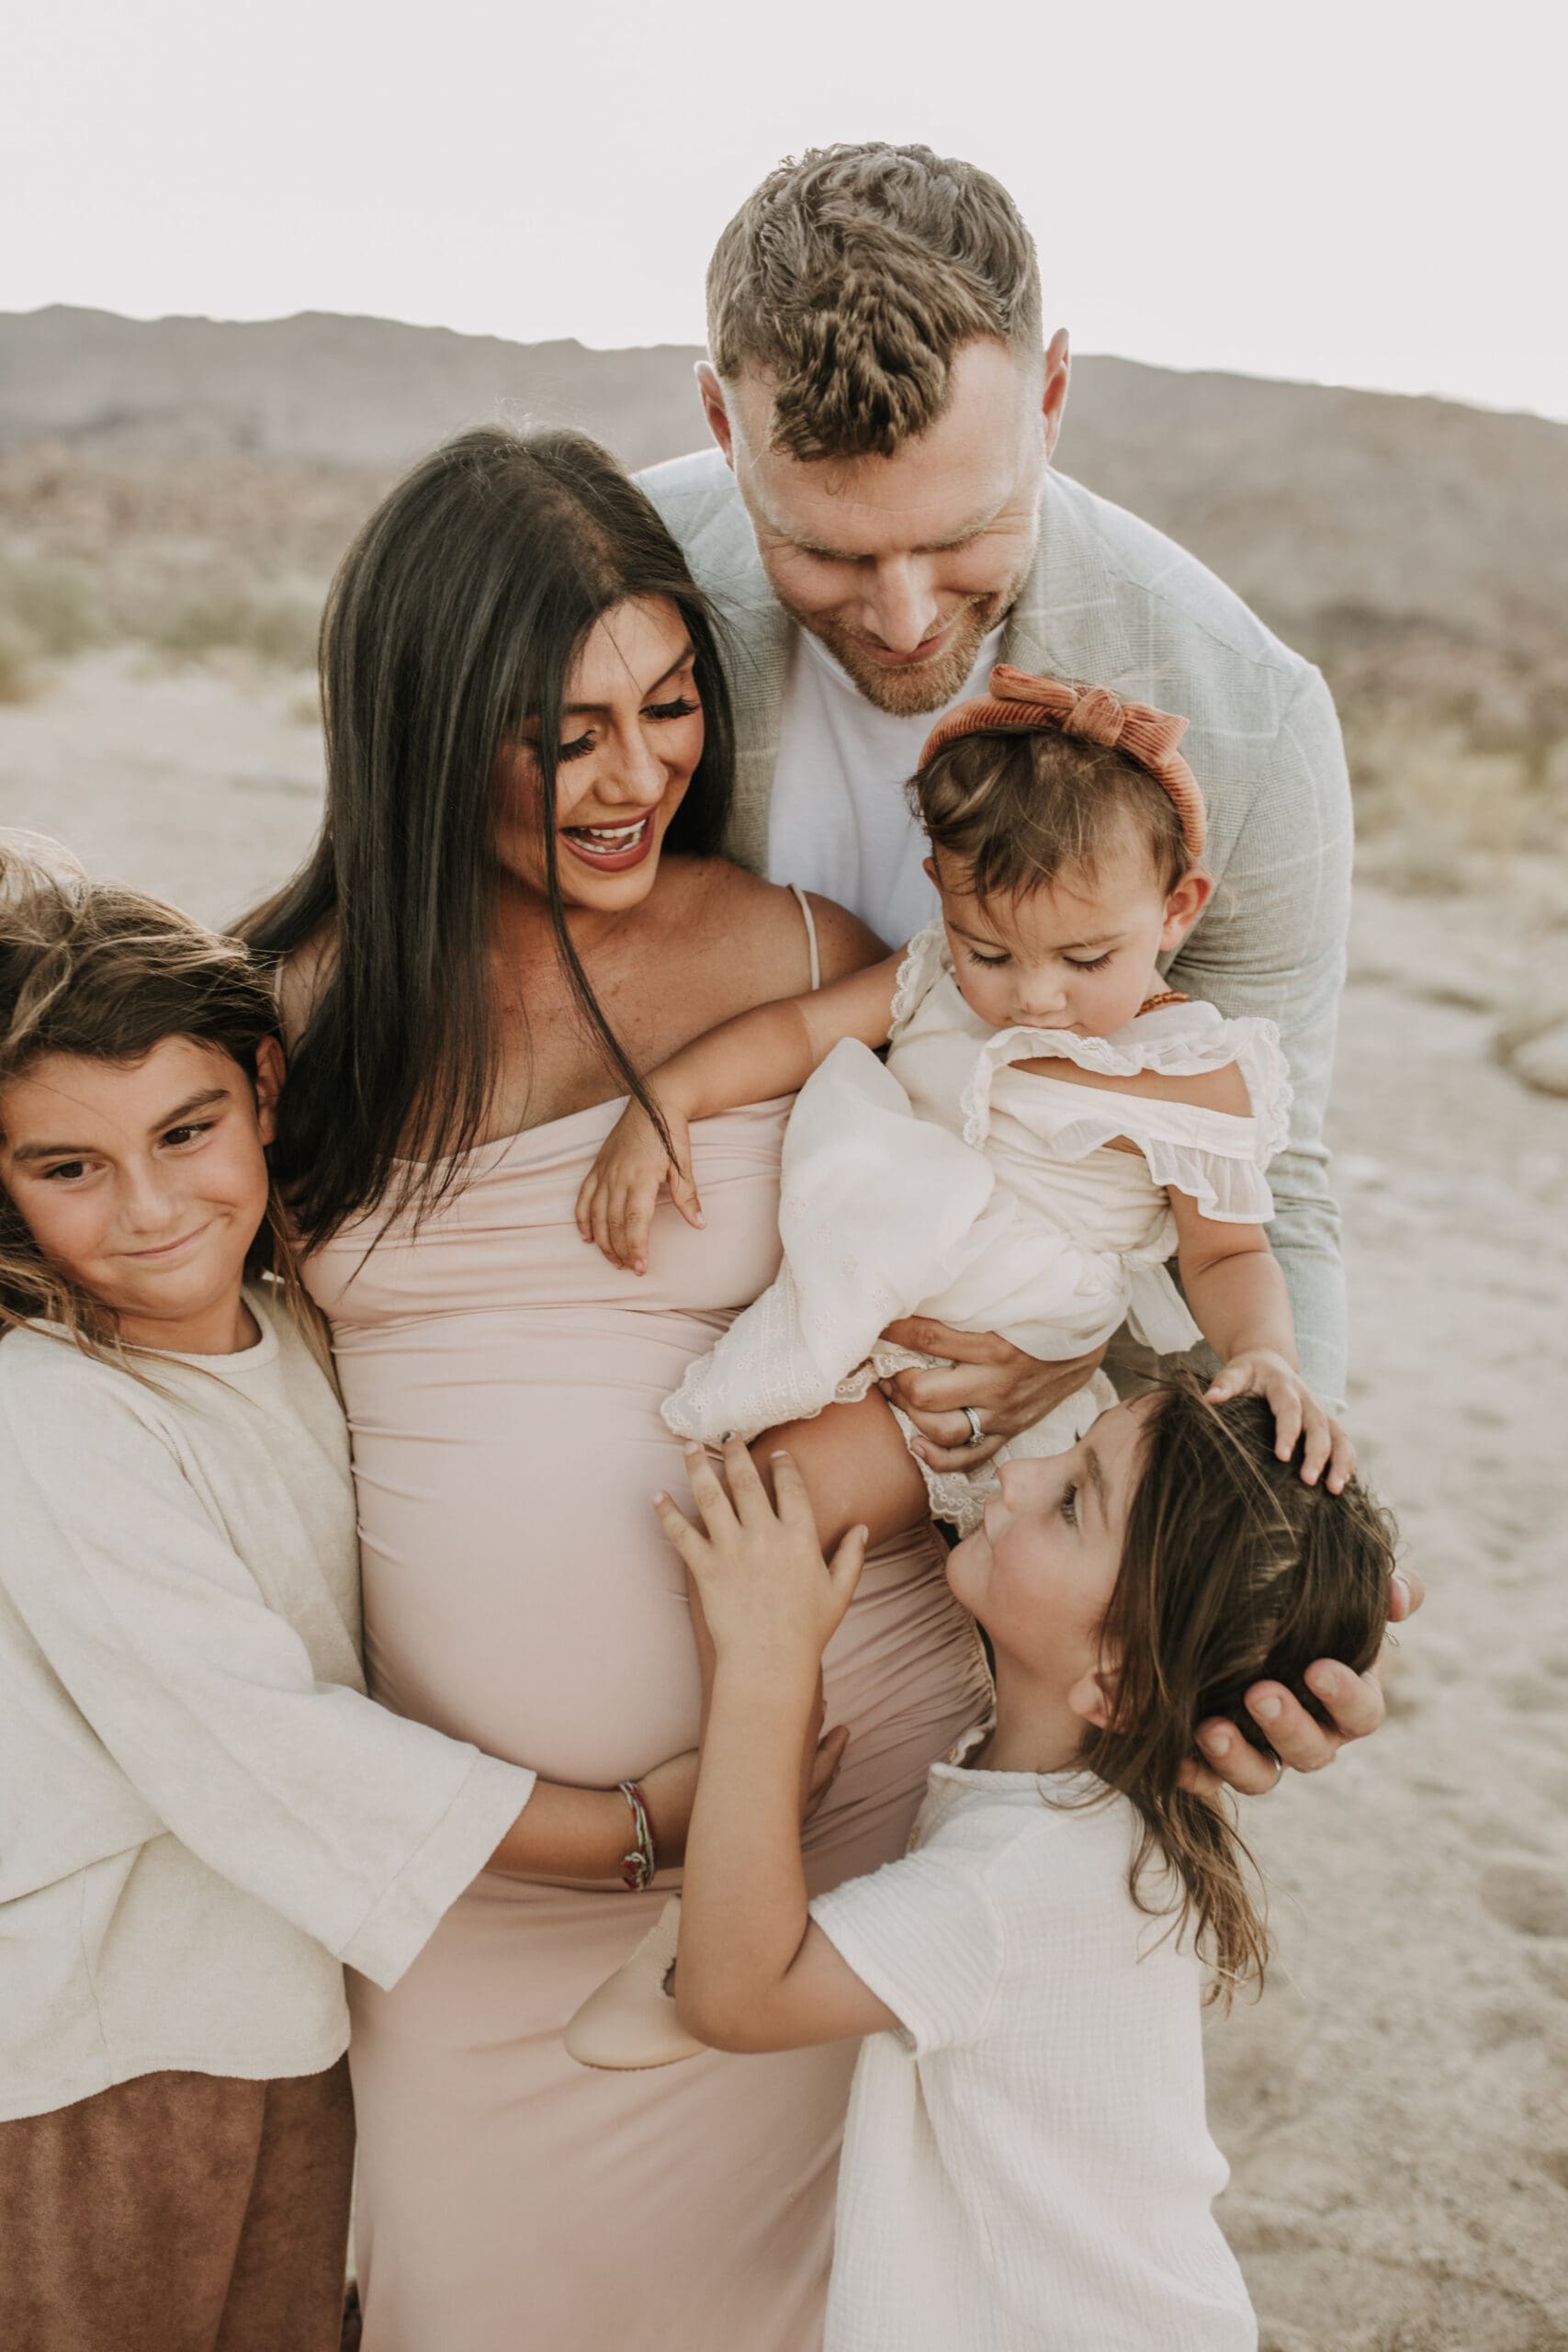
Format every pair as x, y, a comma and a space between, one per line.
1051, 1122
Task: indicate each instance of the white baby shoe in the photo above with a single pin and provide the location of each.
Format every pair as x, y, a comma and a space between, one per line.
629, 2021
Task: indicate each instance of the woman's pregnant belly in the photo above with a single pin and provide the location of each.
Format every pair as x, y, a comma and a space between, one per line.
517, 1591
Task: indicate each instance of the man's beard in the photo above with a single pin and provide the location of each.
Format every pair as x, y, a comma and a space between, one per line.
923, 686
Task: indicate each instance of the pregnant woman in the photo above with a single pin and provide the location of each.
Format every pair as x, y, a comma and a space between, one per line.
514, 907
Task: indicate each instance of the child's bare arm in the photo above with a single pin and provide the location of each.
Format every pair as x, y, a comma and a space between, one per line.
1237, 1295
1232, 1279
771, 1050
584, 1834
753, 1974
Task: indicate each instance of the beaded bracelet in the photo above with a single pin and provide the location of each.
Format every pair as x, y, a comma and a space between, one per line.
638, 1866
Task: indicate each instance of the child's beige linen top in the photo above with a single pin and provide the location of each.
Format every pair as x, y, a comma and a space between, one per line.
202, 1816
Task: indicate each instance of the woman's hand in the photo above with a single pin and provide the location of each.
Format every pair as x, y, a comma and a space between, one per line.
1354, 1703
1009, 1390
769, 1601
615, 1207
1260, 1372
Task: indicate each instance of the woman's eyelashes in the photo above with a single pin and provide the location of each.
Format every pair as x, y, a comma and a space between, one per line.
1068, 1505
580, 747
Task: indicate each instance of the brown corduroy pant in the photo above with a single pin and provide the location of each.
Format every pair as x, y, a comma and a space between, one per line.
180, 2213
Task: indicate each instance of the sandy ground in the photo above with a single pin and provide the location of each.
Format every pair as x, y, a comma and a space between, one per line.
1395, 2108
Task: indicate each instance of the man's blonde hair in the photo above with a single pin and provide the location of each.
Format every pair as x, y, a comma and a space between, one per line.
853, 278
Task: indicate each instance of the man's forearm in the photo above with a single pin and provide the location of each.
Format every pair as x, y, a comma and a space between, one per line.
1304, 1238
1272, 944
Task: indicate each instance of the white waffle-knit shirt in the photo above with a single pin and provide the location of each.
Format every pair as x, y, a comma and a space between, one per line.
1027, 2162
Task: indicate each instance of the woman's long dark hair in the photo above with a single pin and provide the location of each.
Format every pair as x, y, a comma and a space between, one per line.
458, 612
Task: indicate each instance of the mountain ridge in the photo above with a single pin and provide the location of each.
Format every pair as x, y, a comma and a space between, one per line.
1350, 519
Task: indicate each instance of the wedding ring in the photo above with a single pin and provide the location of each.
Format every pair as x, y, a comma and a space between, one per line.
1279, 1771
976, 1435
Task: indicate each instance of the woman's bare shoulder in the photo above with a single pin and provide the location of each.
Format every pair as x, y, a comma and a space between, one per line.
845, 944
730, 905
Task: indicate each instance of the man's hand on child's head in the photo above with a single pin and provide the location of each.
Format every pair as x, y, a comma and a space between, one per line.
614, 1206
1299, 1418
1353, 1702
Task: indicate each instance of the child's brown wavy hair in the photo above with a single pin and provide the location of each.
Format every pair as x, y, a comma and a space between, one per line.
1234, 1571
98, 970
1016, 807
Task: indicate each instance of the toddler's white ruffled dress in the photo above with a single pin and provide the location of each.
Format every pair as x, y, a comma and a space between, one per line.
948, 1182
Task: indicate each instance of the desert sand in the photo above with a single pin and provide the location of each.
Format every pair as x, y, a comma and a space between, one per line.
1395, 2107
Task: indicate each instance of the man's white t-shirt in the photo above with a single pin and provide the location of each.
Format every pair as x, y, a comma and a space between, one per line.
1026, 2167
839, 821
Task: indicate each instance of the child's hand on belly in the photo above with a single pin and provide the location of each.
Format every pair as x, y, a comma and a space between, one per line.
615, 1207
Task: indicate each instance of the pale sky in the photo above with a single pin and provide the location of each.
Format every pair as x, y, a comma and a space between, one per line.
1368, 194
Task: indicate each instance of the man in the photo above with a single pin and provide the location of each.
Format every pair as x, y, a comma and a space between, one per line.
878, 523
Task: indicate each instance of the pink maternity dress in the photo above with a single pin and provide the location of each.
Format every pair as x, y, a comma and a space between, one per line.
503, 1384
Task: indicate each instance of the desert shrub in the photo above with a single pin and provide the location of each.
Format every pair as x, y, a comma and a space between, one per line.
18, 652
1437, 799
46, 611
278, 628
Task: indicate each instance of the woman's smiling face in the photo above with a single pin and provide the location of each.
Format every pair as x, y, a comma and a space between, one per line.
631, 739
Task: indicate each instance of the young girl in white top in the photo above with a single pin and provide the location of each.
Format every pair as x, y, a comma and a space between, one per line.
1050, 1123
1026, 2161
202, 1816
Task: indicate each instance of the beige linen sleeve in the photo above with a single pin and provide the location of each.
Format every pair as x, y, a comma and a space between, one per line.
358, 1826
1273, 942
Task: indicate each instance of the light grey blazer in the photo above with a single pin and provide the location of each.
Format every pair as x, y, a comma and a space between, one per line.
1113, 602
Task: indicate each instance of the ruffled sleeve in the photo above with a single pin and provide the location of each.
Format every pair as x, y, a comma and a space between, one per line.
1216, 1158
925, 961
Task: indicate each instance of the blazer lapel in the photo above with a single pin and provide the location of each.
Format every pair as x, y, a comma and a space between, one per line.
1066, 623
754, 639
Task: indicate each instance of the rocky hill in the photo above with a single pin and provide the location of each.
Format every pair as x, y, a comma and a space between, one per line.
200, 474
1310, 499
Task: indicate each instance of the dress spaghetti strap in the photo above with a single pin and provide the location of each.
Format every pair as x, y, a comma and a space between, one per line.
811, 922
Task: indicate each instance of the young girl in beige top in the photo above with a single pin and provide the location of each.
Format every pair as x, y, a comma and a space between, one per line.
202, 1815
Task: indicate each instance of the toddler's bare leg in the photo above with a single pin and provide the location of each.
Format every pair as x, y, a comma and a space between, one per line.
857, 1469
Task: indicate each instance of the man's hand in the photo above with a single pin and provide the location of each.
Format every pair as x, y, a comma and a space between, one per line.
1009, 1390
1354, 1700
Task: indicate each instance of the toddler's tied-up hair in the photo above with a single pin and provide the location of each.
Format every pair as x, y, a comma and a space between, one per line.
1019, 702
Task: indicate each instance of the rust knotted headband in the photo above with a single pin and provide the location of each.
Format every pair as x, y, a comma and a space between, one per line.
1019, 702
